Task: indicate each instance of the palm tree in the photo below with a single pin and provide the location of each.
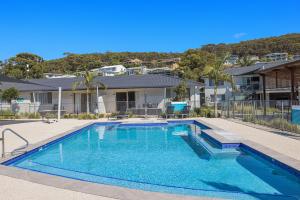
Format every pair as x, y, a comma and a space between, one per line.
215, 72
89, 82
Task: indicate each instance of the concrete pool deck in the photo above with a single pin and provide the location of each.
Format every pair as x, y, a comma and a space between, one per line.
36, 132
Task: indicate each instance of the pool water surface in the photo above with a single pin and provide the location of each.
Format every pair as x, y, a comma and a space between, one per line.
172, 158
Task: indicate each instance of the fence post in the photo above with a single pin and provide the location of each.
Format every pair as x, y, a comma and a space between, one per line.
228, 102
282, 109
233, 109
254, 106
243, 109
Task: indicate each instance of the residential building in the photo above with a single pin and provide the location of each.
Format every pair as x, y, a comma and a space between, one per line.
110, 70
136, 70
277, 57
55, 75
296, 57
145, 70
270, 81
122, 93
232, 60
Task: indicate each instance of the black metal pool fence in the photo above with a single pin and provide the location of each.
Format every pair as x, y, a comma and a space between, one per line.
259, 109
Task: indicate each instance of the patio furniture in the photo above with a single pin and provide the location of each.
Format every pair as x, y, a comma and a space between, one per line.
186, 111
170, 112
122, 115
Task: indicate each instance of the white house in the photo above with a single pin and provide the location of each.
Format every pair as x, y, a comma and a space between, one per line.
277, 56
110, 70
122, 93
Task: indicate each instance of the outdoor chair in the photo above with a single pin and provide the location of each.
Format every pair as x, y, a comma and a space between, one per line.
170, 112
122, 115
186, 111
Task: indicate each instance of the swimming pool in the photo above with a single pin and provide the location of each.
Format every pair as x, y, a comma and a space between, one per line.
164, 157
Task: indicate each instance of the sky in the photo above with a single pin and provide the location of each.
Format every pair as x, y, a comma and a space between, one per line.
51, 27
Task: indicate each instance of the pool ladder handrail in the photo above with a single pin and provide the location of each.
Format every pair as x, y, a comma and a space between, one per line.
18, 135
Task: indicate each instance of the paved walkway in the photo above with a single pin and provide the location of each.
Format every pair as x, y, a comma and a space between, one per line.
16, 189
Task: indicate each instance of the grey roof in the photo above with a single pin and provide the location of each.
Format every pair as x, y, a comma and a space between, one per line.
7, 82
118, 82
257, 68
278, 64
236, 71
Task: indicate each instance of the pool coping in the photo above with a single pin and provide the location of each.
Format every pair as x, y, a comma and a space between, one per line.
118, 192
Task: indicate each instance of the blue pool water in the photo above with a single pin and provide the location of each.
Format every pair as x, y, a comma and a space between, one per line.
172, 158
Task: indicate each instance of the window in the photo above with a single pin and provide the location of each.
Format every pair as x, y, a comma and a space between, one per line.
168, 93
211, 83
220, 97
43, 98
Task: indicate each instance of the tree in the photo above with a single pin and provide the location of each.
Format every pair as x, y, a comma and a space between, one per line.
245, 61
24, 65
89, 82
10, 94
193, 62
215, 72
181, 91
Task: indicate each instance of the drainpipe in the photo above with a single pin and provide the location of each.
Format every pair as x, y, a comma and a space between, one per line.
98, 99
59, 103
34, 110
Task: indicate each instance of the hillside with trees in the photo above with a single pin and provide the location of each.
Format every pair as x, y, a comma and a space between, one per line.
72, 62
289, 43
191, 62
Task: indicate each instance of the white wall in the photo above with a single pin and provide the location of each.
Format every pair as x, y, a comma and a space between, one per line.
153, 96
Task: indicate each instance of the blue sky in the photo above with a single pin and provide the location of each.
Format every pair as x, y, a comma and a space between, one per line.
51, 27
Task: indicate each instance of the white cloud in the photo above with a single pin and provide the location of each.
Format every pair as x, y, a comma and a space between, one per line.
239, 35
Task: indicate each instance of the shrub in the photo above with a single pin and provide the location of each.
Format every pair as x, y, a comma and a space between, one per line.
7, 114
34, 116
278, 123
284, 125
86, 116
27, 115
101, 115
70, 116
204, 111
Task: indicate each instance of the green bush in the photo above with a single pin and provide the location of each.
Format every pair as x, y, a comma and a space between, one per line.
101, 115
27, 115
85, 116
204, 111
34, 116
284, 125
7, 114
70, 116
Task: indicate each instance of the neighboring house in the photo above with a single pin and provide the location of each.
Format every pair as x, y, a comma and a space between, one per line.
145, 70
249, 82
232, 60
122, 93
136, 70
277, 57
296, 57
54, 75
110, 70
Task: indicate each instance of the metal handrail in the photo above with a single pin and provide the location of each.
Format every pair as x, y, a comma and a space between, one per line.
18, 135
